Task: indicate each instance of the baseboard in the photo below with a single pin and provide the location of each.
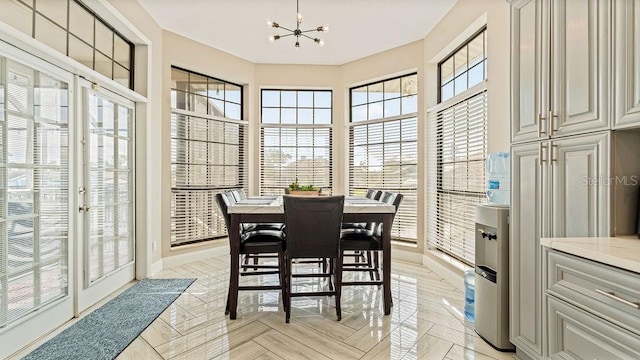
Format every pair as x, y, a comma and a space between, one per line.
407, 256
453, 273
181, 259
156, 267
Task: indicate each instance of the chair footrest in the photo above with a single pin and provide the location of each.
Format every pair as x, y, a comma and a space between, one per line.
310, 275
320, 293
256, 287
355, 264
254, 273
351, 283
360, 269
256, 266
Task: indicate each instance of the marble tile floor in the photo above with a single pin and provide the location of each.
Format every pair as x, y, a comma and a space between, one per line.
426, 322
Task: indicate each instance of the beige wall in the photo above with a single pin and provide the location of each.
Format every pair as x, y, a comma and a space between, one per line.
296, 77
149, 136
466, 17
168, 49
192, 55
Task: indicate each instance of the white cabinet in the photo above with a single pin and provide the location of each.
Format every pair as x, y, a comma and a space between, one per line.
559, 68
528, 185
580, 191
627, 63
558, 189
529, 69
592, 308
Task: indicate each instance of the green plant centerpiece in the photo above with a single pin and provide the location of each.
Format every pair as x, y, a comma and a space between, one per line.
305, 190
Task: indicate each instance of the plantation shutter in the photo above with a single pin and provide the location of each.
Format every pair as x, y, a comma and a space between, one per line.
457, 172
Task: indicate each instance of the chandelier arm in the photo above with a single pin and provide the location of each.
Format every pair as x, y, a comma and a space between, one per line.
306, 31
308, 37
282, 27
281, 36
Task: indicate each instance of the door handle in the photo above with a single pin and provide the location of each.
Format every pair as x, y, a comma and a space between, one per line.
84, 208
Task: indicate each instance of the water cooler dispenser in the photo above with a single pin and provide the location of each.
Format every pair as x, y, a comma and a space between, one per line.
492, 275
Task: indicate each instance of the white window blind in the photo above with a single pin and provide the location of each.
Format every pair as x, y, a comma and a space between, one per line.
459, 167
207, 153
295, 139
383, 146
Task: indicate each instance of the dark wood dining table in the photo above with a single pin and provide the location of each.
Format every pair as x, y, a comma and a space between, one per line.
269, 209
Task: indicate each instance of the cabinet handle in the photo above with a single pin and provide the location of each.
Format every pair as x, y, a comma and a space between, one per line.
540, 132
541, 159
552, 158
612, 295
550, 118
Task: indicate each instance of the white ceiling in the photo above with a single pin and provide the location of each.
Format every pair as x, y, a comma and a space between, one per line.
357, 28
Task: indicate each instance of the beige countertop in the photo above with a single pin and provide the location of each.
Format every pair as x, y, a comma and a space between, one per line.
622, 252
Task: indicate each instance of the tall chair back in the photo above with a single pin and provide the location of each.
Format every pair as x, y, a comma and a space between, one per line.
370, 193
312, 226
223, 203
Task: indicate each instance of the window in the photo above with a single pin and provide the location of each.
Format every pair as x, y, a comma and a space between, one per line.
464, 68
207, 153
383, 146
461, 150
295, 139
75, 31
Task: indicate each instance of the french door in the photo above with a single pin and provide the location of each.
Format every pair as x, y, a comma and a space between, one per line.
66, 196
36, 200
105, 193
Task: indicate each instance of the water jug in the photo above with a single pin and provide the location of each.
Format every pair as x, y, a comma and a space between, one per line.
469, 295
498, 178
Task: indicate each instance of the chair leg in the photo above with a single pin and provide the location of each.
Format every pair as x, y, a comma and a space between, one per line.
255, 262
226, 309
370, 265
233, 286
338, 279
376, 264
331, 267
283, 279
246, 262
288, 292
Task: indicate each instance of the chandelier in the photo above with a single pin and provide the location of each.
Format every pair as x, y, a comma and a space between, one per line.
297, 32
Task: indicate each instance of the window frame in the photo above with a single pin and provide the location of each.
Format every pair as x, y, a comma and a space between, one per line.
182, 151
297, 126
401, 117
481, 32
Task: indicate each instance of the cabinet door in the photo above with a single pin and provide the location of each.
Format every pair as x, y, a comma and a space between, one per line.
581, 186
627, 66
579, 67
528, 186
576, 334
529, 69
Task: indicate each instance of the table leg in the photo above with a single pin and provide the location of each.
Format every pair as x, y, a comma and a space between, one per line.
386, 261
234, 244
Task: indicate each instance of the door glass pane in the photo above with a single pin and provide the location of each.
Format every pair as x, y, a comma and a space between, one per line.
33, 190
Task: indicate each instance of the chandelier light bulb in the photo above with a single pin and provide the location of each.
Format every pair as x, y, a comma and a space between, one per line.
269, 23
324, 28
299, 18
319, 42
